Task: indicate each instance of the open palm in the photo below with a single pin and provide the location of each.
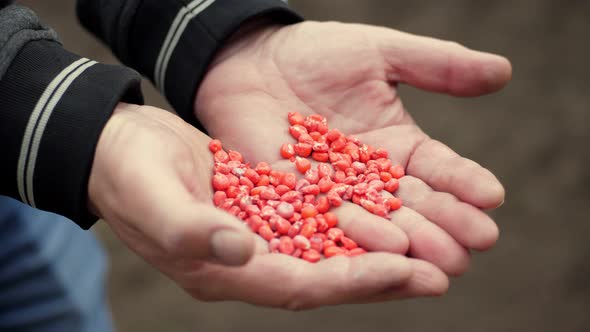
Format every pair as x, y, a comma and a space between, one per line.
349, 74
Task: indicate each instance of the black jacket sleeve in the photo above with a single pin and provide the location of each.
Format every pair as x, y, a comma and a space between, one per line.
53, 107
173, 41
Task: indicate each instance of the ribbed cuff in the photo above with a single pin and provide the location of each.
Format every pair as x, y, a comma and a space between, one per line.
54, 106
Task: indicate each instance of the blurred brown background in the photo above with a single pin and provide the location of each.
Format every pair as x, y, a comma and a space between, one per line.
534, 136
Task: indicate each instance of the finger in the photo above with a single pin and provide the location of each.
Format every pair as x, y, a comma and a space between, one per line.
282, 281
468, 225
440, 66
431, 243
184, 226
371, 232
445, 171
426, 280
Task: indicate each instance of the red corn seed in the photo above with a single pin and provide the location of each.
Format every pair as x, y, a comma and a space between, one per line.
273, 203
286, 245
385, 176
303, 165
339, 177
356, 199
316, 243
221, 156
297, 253
291, 196
222, 168
331, 219
269, 193
325, 184
233, 192
311, 221
338, 145
348, 243
303, 149
340, 166
334, 199
287, 151
351, 180
266, 232
219, 197
235, 156
328, 243
378, 185
392, 185
334, 251
283, 226
335, 234
295, 218
215, 145
360, 188
273, 245
257, 190
316, 117
316, 135
356, 252
276, 177
397, 171
372, 177
264, 180
367, 205
308, 211
263, 168
306, 138
309, 199
301, 242
394, 203
324, 170
312, 256
312, 176
301, 183
282, 189
289, 180
321, 147
252, 175
252, 210
307, 230
295, 118
383, 164
322, 204
273, 222
267, 211
320, 156
322, 128
228, 203
353, 139
359, 167
297, 205
322, 224
379, 153
312, 189
294, 229
333, 135
246, 182
285, 210
380, 210
233, 180
297, 130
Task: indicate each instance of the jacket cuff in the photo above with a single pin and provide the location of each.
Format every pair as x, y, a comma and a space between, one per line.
55, 105
173, 42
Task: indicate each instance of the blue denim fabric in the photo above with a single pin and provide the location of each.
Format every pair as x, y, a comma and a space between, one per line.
51, 273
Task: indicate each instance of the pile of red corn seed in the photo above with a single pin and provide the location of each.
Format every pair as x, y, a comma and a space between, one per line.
293, 214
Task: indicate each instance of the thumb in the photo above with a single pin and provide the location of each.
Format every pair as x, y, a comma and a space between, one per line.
440, 66
167, 212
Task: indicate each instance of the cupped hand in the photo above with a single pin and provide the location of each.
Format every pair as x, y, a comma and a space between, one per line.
349, 73
151, 182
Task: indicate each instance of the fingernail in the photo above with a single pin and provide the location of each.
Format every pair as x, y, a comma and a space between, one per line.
230, 247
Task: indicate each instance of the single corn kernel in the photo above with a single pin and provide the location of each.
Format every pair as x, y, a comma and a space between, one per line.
331, 219
303, 165
397, 171
312, 256
348, 243
301, 242
286, 245
287, 151
334, 251
295, 118
215, 145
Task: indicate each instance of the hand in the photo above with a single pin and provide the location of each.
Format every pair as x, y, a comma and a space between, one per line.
151, 182
349, 73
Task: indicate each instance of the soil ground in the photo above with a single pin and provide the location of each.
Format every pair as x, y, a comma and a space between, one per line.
534, 136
